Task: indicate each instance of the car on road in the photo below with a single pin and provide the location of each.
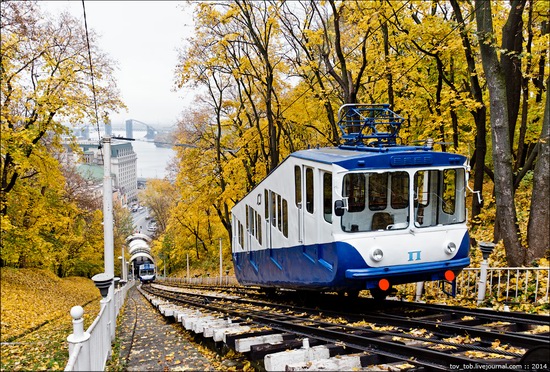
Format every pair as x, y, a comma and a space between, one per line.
152, 226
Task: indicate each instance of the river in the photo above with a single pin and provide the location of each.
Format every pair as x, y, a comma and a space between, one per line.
151, 160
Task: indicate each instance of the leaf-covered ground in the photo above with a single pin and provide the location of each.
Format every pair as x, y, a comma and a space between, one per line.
145, 341
35, 319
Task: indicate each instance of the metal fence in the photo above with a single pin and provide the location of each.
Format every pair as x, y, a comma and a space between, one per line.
503, 285
90, 350
511, 283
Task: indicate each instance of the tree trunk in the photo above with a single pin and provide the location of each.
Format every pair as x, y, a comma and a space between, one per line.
511, 63
502, 154
480, 114
539, 219
387, 58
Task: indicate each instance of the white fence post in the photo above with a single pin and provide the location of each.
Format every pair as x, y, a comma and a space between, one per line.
419, 289
79, 336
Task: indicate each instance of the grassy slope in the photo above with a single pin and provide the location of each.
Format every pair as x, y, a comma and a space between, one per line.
35, 319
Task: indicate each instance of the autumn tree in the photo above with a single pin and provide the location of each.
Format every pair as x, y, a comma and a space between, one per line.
45, 82
199, 196
215, 78
537, 233
504, 102
304, 59
260, 31
239, 40
305, 38
478, 111
158, 196
79, 251
235, 63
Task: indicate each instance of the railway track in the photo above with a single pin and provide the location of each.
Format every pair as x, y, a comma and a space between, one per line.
344, 334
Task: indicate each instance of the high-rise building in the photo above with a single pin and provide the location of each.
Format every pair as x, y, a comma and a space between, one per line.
123, 165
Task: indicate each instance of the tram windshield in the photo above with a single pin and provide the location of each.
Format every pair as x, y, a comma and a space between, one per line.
147, 271
384, 200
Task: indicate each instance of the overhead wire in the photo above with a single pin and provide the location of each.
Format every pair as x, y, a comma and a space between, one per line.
91, 71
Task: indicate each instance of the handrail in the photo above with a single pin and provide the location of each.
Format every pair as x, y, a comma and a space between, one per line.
522, 278
90, 350
73, 358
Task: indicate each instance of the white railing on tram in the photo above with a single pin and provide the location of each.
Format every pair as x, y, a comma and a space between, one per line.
90, 350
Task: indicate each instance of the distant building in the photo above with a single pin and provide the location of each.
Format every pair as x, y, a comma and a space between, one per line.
123, 165
93, 174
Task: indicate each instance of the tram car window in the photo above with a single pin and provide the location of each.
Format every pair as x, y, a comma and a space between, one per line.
298, 186
327, 197
309, 190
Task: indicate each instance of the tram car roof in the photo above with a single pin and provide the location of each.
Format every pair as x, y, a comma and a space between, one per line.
370, 133
359, 157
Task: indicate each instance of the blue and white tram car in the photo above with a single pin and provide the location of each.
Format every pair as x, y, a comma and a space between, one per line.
369, 214
147, 273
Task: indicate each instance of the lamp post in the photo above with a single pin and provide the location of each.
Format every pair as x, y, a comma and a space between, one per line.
221, 262
122, 267
108, 227
486, 249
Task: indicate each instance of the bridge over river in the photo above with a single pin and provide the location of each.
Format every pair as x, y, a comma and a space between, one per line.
162, 137
151, 131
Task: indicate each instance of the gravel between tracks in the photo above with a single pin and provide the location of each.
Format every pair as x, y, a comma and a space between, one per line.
157, 345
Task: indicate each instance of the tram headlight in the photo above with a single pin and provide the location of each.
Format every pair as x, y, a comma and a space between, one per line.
377, 255
450, 248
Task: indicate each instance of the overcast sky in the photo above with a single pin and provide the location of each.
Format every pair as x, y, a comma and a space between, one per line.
142, 36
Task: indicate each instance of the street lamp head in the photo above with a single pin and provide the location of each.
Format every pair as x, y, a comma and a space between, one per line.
103, 281
486, 249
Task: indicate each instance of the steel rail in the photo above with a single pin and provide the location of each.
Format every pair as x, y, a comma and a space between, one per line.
360, 339
441, 327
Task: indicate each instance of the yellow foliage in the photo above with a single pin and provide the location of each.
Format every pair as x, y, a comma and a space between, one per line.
237, 56
36, 320
31, 297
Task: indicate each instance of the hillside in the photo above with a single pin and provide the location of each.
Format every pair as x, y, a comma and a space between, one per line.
35, 319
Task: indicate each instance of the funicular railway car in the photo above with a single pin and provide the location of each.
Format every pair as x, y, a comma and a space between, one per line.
147, 273
368, 214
